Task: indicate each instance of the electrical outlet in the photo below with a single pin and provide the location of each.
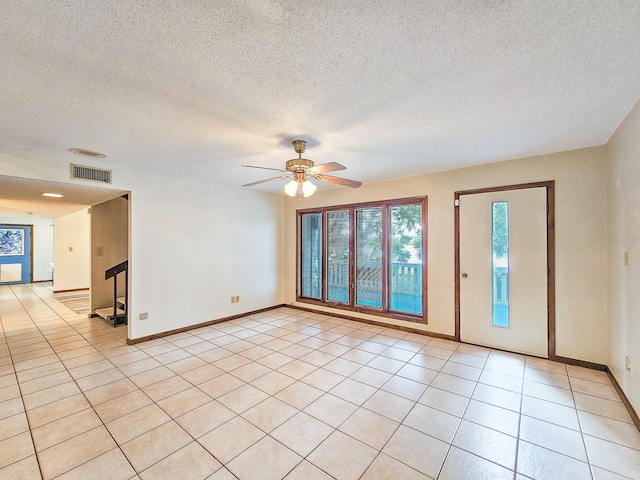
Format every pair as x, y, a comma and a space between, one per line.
143, 315
237, 298
233, 299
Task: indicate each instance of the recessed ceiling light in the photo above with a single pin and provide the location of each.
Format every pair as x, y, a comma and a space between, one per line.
52, 195
83, 152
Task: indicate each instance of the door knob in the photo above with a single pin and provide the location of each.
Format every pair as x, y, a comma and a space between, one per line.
464, 275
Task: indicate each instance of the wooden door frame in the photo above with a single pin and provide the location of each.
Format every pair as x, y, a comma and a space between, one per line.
31, 250
551, 251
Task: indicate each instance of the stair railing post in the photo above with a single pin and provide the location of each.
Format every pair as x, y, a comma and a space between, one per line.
115, 298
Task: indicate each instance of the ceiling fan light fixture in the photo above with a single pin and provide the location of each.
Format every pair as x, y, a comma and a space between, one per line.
291, 188
308, 188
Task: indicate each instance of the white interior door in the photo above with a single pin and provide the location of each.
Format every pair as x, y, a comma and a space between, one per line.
503, 269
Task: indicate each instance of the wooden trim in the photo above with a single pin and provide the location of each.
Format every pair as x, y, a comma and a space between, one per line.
41, 281
70, 290
551, 272
385, 206
134, 341
580, 363
374, 322
625, 400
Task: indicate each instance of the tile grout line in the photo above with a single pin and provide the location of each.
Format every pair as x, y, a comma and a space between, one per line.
75, 382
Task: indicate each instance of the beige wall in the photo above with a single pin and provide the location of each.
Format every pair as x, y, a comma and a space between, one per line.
109, 247
580, 228
623, 235
71, 251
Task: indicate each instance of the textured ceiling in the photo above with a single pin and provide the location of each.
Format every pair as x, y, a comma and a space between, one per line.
389, 89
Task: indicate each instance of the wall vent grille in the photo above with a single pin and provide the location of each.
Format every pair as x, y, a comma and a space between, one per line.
89, 173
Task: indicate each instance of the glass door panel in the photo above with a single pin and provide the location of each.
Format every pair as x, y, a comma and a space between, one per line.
406, 259
311, 256
369, 257
338, 256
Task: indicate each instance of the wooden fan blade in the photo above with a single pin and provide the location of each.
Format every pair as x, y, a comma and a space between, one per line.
265, 181
338, 181
266, 168
327, 167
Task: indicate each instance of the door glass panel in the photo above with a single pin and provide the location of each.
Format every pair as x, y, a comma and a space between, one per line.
500, 270
311, 256
406, 259
369, 257
338, 256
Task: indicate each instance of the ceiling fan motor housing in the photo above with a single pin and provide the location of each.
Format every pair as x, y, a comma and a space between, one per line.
298, 164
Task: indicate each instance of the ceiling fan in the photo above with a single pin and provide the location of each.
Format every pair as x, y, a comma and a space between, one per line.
301, 169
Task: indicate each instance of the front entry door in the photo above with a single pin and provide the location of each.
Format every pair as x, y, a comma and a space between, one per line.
15, 254
503, 270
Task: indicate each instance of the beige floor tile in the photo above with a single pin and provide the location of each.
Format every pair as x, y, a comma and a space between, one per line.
602, 406
386, 364
273, 382
15, 448
67, 455
425, 361
45, 370
275, 360
596, 389
546, 365
230, 439
342, 457
433, 422
549, 393
369, 428
165, 388
444, 401
466, 355
353, 391
299, 395
221, 385
243, 398
56, 410
186, 365
231, 362
37, 384
50, 395
89, 355
297, 369
112, 465
389, 405
323, 379
136, 423
192, 461
538, 462
302, 433
461, 465
202, 374
250, 371
436, 352
454, 384
550, 412
205, 418
110, 391
13, 425
183, 402
588, 374
405, 387
601, 474
384, 467
500, 380
498, 397
152, 376
486, 443
307, 471
90, 369
331, 409
608, 429
613, 457
550, 378
26, 469
140, 366
497, 418
98, 379
553, 437
265, 460
417, 450
61, 430
121, 406
153, 446
269, 414
371, 376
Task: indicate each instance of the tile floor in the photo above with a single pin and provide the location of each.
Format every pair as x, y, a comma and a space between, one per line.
295, 395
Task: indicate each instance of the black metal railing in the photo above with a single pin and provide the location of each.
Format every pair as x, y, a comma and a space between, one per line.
113, 272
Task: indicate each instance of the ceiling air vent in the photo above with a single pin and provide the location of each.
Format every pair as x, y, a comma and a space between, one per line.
89, 173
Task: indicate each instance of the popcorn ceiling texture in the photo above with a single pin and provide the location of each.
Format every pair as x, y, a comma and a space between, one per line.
390, 89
